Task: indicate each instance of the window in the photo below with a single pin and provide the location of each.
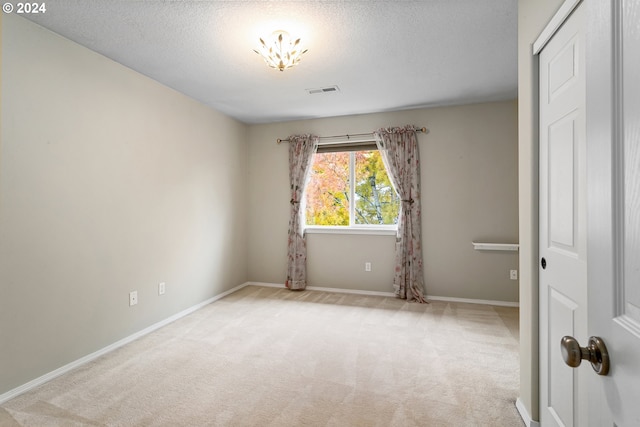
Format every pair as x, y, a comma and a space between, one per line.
350, 189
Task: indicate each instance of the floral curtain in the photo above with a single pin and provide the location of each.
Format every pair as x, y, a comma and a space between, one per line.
301, 149
399, 149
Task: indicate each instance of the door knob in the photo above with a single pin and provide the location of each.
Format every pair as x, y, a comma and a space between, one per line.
595, 352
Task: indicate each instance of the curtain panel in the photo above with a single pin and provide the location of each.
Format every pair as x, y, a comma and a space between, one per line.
301, 150
399, 149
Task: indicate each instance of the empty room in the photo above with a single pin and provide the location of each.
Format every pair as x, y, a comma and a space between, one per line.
323, 213
146, 210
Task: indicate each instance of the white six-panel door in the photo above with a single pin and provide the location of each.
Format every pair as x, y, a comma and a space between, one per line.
563, 226
591, 283
613, 136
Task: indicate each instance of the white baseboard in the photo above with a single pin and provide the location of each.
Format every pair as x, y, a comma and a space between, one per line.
324, 289
352, 291
88, 358
266, 284
474, 301
525, 414
391, 294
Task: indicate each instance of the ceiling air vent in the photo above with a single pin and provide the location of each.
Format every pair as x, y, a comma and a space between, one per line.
327, 89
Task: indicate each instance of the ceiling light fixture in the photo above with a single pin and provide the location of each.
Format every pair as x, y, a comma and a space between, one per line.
279, 51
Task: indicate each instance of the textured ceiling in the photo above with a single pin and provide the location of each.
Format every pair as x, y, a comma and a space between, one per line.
383, 55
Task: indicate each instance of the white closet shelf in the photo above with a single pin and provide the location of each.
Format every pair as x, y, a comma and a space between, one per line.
495, 246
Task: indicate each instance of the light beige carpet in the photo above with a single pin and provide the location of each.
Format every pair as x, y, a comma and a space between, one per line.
272, 357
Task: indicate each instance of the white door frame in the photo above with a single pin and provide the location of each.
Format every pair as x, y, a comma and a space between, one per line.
554, 24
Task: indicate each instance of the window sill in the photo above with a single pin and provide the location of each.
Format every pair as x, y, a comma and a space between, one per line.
351, 230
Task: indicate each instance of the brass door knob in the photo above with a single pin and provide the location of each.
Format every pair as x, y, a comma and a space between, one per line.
595, 352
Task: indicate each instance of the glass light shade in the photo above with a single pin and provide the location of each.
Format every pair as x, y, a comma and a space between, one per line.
279, 51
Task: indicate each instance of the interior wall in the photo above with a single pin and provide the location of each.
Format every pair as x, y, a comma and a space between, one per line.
533, 16
469, 193
109, 183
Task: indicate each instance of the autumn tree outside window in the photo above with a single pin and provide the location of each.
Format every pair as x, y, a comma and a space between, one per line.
349, 187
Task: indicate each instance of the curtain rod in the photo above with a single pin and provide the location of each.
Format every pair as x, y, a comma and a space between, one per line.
348, 136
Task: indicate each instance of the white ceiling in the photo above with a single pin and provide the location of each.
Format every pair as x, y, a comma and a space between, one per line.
383, 55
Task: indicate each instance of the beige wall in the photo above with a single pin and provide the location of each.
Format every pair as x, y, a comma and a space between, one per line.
469, 192
109, 182
533, 16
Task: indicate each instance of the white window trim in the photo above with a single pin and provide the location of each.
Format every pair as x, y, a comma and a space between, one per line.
352, 189
352, 228
381, 230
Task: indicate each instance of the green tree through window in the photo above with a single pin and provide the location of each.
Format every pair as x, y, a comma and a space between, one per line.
329, 193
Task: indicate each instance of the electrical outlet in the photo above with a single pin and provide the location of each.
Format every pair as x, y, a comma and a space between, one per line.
513, 274
367, 266
161, 288
133, 298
